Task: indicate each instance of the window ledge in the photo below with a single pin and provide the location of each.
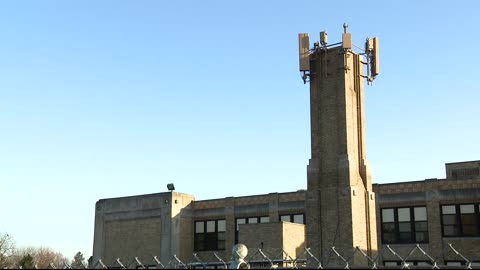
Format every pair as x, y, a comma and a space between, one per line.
406, 244
461, 237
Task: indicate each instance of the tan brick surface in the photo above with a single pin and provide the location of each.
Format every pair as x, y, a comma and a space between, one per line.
126, 239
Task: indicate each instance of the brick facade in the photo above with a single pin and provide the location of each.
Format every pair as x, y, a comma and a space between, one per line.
339, 208
162, 224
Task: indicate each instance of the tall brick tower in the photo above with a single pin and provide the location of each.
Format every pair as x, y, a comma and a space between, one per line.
340, 205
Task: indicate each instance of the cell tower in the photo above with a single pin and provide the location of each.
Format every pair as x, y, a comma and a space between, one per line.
340, 205
370, 52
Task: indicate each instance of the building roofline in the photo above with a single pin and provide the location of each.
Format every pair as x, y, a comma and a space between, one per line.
144, 195
256, 195
403, 182
471, 161
410, 182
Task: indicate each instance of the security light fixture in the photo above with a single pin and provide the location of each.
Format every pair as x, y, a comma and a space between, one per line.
171, 187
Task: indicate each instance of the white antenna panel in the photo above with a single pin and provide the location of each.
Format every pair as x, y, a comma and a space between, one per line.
369, 45
347, 41
323, 38
375, 62
304, 51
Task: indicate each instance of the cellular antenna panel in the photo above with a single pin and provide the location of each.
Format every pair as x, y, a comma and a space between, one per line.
304, 51
347, 41
375, 62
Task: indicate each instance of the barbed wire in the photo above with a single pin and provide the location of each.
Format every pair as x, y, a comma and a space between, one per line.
271, 258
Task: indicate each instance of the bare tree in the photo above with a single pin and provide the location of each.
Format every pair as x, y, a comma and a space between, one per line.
45, 256
42, 256
7, 246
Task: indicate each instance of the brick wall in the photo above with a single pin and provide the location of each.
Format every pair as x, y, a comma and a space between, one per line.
124, 238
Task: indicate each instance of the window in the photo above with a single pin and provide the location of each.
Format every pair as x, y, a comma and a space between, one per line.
294, 218
392, 263
264, 219
404, 225
462, 264
460, 220
209, 235
454, 263
409, 263
249, 220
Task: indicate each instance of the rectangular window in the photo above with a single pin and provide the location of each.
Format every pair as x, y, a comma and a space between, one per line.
404, 225
388, 225
462, 264
252, 220
221, 228
419, 264
454, 263
293, 218
460, 220
475, 265
209, 235
264, 219
421, 224
241, 221
298, 219
249, 220
391, 263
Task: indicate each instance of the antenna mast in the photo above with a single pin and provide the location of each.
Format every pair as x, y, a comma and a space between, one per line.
370, 52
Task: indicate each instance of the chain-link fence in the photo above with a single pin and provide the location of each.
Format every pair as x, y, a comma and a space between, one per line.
405, 257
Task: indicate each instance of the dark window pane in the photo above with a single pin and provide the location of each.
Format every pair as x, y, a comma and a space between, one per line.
404, 227
392, 263
469, 230
450, 230
388, 227
421, 226
469, 224
421, 237
405, 237
468, 219
221, 236
210, 241
389, 238
221, 245
199, 242
449, 219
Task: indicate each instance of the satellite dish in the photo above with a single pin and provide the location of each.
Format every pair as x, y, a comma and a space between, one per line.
239, 252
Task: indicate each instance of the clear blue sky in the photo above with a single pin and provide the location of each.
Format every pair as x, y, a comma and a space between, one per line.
104, 99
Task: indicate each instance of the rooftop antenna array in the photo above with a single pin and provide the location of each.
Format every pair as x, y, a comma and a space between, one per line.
370, 52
